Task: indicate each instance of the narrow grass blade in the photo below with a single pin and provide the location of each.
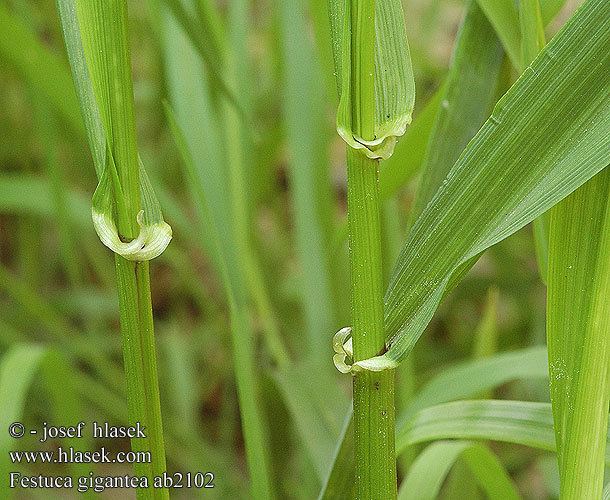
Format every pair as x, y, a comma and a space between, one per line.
236, 147
578, 333
35, 306
526, 158
541, 244
504, 17
244, 260
20, 366
318, 9
519, 422
462, 484
59, 382
191, 110
317, 414
532, 42
17, 370
425, 478
71, 258
475, 376
209, 40
304, 112
339, 483
550, 8
469, 94
532, 31
32, 195
89, 106
246, 372
55, 326
44, 71
486, 335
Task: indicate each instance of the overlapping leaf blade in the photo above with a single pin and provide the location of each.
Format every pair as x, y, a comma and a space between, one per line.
476, 376
212, 164
19, 368
44, 71
317, 415
303, 107
504, 16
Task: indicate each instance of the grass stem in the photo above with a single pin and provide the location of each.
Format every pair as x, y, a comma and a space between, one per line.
373, 391
105, 39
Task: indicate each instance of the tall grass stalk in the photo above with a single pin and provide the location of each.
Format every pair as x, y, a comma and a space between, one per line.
103, 26
373, 391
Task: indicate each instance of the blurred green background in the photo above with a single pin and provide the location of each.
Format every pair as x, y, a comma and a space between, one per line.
60, 346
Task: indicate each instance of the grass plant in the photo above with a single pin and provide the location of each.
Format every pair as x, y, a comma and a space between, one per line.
457, 244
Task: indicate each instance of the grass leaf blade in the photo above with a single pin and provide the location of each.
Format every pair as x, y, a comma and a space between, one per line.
425, 478
519, 422
472, 377
578, 333
43, 70
466, 101
526, 158
504, 17
304, 113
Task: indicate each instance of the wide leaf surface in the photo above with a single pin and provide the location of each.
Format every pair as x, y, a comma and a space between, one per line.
546, 137
578, 334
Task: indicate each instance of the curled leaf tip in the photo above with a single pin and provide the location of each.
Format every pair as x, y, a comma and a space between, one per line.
150, 243
344, 356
